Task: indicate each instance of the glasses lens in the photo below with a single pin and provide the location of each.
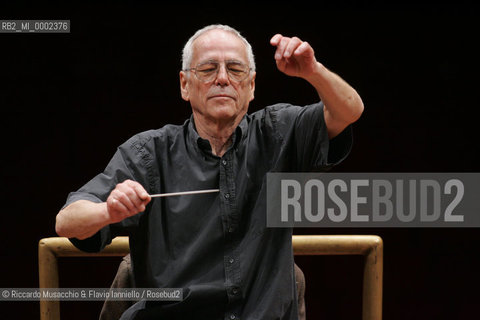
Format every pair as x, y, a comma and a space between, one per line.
206, 71
237, 71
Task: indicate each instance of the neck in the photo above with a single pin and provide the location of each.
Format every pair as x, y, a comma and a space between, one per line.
219, 134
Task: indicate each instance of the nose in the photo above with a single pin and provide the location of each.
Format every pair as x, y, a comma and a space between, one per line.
222, 76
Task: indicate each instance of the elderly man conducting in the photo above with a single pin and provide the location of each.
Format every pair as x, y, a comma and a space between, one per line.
216, 246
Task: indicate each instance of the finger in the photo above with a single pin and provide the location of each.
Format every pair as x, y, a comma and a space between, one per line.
127, 202
116, 209
125, 194
141, 192
281, 48
138, 195
129, 193
135, 200
281, 64
304, 48
292, 45
275, 39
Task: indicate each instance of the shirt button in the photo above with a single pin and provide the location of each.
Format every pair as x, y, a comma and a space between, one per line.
232, 316
227, 195
234, 291
231, 260
224, 162
231, 229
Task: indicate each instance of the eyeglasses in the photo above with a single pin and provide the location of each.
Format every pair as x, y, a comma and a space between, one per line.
208, 71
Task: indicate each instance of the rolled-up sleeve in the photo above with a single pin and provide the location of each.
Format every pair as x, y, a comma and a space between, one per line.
127, 163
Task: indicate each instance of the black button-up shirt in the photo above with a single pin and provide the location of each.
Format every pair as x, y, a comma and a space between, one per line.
214, 246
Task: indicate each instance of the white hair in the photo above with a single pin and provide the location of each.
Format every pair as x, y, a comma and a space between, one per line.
188, 49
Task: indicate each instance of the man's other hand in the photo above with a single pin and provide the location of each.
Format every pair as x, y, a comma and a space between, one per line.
127, 199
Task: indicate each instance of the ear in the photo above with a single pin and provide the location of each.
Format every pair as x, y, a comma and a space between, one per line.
184, 86
252, 86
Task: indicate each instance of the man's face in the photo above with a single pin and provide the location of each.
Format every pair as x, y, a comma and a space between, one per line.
221, 99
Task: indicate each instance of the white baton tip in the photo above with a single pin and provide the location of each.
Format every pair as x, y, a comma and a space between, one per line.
183, 193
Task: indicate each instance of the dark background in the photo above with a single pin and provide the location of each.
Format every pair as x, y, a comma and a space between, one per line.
68, 100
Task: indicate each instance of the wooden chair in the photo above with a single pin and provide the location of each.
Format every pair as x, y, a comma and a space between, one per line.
371, 247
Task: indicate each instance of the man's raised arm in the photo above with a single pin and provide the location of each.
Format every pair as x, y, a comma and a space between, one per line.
296, 58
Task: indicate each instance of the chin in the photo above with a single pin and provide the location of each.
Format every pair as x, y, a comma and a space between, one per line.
223, 115
223, 111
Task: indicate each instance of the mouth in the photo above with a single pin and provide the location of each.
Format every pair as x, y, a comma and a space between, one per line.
222, 96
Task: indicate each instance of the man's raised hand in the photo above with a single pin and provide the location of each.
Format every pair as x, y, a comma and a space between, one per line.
293, 56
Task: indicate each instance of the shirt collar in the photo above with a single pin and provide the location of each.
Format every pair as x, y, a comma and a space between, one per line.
194, 138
